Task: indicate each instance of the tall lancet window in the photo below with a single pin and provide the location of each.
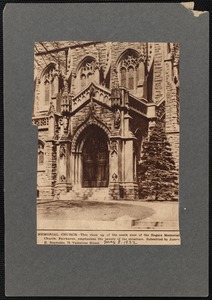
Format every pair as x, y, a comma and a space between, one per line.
130, 70
46, 97
50, 81
131, 78
123, 77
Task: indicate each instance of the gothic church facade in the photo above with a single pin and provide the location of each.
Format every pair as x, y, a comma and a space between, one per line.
94, 104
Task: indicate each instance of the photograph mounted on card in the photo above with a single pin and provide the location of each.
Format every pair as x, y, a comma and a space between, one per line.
108, 142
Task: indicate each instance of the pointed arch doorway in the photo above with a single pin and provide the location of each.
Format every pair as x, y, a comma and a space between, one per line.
95, 158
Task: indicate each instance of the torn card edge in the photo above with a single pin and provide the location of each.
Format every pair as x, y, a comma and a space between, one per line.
190, 6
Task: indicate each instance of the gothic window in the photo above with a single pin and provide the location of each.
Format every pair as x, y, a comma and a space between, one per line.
46, 99
40, 154
41, 158
87, 73
49, 83
128, 70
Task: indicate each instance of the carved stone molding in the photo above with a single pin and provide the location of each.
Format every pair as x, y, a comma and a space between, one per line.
43, 121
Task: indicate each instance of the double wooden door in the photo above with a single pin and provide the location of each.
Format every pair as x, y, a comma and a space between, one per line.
95, 161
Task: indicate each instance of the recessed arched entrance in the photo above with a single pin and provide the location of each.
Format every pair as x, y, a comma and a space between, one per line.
94, 157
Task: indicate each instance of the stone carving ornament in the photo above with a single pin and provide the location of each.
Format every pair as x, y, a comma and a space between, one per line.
113, 147
65, 123
62, 151
117, 119
41, 122
62, 178
51, 108
115, 93
114, 177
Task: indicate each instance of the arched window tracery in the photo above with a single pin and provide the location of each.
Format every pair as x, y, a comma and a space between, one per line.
49, 80
87, 73
131, 72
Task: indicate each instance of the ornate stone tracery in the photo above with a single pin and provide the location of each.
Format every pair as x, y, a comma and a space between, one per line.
131, 71
89, 67
87, 72
42, 121
129, 61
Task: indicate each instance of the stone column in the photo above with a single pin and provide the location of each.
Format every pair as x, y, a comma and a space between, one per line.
130, 188
114, 179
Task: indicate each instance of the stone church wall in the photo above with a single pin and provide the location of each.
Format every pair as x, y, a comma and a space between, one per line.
161, 76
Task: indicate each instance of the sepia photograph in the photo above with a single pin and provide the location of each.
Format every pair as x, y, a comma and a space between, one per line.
107, 115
